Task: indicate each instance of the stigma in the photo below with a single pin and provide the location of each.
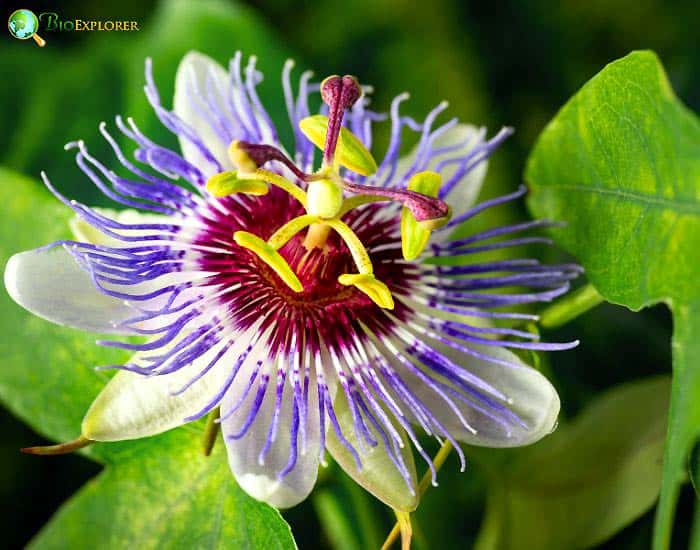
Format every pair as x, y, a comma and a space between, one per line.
326, 195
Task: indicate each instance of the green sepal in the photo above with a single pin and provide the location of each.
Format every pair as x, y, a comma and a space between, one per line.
377, 473
350, 152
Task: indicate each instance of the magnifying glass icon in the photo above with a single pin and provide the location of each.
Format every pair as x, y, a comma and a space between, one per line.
23, 25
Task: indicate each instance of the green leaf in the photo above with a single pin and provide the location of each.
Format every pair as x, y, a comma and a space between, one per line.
586, 481
620, 163
157, 492
164, 493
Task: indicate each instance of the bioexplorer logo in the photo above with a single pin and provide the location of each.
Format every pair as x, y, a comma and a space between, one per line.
24, 24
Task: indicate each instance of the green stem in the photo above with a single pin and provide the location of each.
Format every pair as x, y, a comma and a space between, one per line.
683, 416
571, 306
400, 528
438, 461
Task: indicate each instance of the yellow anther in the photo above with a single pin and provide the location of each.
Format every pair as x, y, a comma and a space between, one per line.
241, 159
376, 290
357, 249
270, 256
228, 183
289, 229
279, 181
349, 152
415, 234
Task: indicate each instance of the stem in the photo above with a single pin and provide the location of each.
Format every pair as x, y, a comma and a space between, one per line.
60, 449
438, 461
404, 521
391, 538
574, 304
402, 527
211, 430
683, 416
425, 482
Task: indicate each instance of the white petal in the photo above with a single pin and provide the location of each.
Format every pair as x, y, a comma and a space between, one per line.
132, 406
194, 71
379, 475
531, 396
86, 233
466, 191
262, 481
50, 284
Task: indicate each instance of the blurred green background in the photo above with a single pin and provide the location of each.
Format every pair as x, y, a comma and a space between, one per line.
514, 63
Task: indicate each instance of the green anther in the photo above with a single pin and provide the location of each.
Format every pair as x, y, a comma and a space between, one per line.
376, 290
415, 234
289, 229
270, 256
350, 152
357, 249
228, 183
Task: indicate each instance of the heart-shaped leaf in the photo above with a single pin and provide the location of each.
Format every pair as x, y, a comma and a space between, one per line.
620, 163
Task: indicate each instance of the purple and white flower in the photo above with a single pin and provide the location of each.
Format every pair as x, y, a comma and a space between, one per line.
300, 301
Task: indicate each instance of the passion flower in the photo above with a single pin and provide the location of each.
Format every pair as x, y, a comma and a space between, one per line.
295, 300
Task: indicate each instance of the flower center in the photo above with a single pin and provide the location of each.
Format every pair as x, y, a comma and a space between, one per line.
324, 203
250, 289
